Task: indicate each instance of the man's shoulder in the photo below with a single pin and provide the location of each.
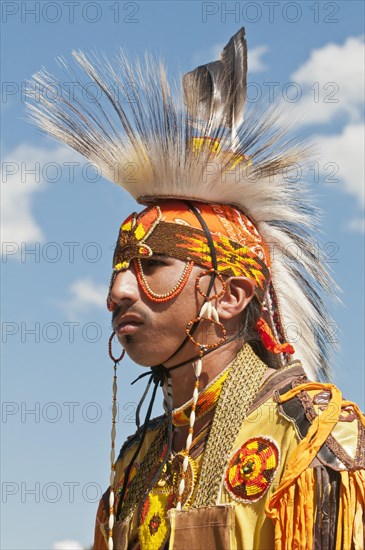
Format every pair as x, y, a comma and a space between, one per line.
324, 474
341, 422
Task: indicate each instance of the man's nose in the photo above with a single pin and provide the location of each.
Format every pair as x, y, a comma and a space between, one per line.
125, 287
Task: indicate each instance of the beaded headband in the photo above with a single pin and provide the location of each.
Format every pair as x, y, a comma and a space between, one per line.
170, 228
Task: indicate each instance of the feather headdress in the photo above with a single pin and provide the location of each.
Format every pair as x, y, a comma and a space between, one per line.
140, 134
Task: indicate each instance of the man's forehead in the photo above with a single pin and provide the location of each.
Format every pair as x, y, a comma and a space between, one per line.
156, 256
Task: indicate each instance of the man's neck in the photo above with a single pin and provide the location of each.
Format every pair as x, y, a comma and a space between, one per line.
183, 378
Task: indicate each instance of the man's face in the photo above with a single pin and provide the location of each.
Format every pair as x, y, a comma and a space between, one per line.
151, 332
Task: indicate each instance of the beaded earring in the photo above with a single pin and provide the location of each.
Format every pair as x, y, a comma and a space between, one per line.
208, 312
113, 434
218, 276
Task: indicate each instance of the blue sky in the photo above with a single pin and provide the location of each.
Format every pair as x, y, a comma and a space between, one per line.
59, 225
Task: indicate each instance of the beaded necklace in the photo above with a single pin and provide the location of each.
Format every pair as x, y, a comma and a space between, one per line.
241, 388
154, 528
207, 400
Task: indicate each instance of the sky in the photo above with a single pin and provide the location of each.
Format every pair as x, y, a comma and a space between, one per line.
60, 218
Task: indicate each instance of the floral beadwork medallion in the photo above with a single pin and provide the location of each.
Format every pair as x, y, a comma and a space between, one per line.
154, 528
251, 469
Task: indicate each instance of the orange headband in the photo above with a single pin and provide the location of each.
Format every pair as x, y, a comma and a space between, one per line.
170, 228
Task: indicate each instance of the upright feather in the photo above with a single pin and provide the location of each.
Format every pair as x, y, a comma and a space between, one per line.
216, 92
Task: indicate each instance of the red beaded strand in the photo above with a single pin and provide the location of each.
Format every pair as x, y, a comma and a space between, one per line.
160, 298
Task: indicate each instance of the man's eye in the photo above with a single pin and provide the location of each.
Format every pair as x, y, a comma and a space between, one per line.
153, 263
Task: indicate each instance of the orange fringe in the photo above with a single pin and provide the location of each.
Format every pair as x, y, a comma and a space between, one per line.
351, 517
293, 506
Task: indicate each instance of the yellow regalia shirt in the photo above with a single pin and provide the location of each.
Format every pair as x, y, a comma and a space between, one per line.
294, 478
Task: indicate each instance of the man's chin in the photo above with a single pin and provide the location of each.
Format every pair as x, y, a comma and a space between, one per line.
147, 354
140, 353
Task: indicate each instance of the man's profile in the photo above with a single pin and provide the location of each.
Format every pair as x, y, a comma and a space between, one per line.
252, 451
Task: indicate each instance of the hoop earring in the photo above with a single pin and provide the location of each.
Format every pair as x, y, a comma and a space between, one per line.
113, 434
219, 276
110, 343
204, 347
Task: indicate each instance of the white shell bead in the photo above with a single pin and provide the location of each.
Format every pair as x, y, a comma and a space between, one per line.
215, 315
192, 419
203, 309
110, 544
181, 486
112, 476
112, 456
198, 367
209, 310
111, 498
111, 521
195, 395
185, 463
189, 441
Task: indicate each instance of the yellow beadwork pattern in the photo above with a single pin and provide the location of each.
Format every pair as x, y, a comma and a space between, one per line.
154, 529
153, 526
232, 258
206, 401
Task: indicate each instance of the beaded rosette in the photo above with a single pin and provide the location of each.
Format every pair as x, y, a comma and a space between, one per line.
251, 469
154, 527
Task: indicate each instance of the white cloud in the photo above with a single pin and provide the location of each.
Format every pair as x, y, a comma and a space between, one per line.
357, 225
255, 63
24, 173
68, 545
332, 86
84, 295
332, 82
346, 150
209, 54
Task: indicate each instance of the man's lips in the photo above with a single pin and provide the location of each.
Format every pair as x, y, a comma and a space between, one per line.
127, 324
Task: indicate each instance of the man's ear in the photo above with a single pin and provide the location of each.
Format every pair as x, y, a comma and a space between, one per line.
238, 294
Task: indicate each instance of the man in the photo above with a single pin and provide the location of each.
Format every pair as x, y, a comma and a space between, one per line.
250, 453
